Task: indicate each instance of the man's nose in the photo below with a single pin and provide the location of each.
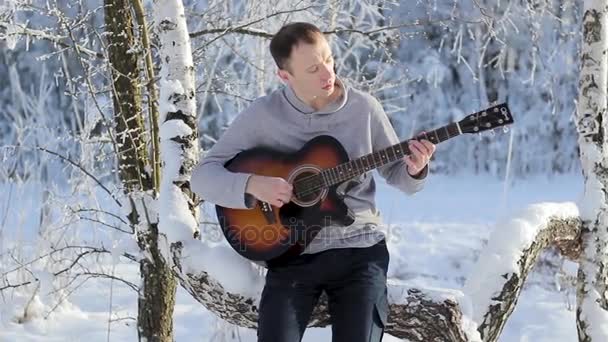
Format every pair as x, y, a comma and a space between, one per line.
327, 72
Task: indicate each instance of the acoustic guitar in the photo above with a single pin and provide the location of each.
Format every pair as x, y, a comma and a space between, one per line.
316, 172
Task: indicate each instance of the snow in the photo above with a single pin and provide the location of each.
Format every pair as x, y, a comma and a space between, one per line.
176, 220
244, 278
436, 239
167, 89
596, 317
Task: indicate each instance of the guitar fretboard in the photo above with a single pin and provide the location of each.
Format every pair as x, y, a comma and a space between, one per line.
371, 161
489, 118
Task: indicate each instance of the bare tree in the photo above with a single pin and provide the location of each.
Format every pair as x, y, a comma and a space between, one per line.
158, 286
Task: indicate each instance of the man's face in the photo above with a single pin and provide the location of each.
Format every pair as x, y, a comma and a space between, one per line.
310, 70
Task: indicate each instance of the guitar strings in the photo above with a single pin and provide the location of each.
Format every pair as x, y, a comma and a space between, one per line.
316, 182
311, 183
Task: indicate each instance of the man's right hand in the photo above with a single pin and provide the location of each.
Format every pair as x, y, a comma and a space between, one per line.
273, 190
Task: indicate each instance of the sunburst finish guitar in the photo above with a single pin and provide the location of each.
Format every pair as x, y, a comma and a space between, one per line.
267, 232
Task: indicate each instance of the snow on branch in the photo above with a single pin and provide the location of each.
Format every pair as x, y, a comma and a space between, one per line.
513, 249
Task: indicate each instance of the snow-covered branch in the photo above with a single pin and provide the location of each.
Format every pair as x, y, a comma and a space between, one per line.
513, 249
22, 30
231, 289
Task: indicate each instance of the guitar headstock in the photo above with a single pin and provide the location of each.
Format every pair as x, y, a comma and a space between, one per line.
487, 119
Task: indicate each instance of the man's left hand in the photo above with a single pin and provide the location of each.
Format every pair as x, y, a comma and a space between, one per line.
421, 153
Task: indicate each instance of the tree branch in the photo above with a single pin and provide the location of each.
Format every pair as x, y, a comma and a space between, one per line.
241, 28
261, 33
59, 40
503, 266
418, 315
55, 251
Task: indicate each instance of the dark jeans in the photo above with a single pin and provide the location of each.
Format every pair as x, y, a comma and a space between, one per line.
354, 280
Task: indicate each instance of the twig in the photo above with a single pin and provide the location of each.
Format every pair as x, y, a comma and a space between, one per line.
8, 204
241, 28
265, 34
83, 170
123, 319
94, 250
91, 89
58, 273
227, 30
483, 10
103, 275
105, 224
153, 98
386, 28
99, 211
110, 301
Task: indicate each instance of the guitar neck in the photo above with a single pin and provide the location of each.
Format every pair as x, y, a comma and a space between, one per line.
374, 160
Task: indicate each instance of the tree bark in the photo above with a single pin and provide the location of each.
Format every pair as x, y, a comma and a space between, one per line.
178, 209
140, 14
592, 125
126, 95
157, 293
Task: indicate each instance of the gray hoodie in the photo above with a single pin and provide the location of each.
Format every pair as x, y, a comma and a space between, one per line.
283, 122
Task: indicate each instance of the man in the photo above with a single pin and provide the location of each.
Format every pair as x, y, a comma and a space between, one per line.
348, 263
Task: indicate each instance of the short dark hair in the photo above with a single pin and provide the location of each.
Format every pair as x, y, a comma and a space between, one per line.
289, 36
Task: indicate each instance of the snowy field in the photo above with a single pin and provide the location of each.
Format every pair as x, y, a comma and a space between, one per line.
434, 240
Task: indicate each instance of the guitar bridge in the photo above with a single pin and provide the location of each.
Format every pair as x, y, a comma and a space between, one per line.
268, 213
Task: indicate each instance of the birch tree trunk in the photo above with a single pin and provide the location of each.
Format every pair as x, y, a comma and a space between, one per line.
178, 124
178, 209
592, 125
157, 292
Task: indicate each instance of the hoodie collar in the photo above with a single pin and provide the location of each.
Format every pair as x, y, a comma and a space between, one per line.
304, 108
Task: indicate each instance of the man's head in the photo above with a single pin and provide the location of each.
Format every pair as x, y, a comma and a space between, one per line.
304, 59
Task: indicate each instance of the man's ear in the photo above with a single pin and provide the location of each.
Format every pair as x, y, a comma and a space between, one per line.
283, 75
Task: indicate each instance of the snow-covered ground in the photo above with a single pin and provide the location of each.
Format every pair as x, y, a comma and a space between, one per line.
435, 238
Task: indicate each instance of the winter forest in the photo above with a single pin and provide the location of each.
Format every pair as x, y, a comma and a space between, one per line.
106, 106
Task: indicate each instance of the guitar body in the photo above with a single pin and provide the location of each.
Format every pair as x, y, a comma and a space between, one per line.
267, 232
317, 171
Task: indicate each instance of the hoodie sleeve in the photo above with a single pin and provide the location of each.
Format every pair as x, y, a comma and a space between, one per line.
216, 184
383, 136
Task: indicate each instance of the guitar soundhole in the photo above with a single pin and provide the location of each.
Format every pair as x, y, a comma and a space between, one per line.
308, 187
305, 191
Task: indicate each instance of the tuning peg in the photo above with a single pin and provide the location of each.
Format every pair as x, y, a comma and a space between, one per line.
505, 129
492, 133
